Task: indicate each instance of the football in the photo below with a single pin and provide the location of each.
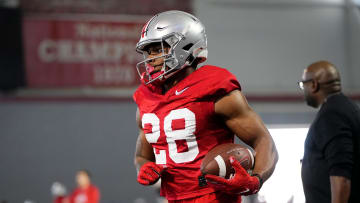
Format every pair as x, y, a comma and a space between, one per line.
216, 161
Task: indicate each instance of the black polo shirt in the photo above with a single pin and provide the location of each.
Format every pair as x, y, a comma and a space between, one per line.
332, 149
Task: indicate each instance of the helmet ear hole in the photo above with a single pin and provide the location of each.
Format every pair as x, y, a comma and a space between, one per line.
188, 46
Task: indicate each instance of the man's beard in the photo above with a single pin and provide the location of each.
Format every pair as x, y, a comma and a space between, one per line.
311, 101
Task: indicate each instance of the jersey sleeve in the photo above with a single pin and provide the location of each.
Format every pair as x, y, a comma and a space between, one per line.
218, 82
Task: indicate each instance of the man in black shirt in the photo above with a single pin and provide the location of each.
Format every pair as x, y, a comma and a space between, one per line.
330, 167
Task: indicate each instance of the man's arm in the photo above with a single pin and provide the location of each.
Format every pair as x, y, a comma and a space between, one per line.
340, 189
148, 171
336, 141
248, 126
143, 151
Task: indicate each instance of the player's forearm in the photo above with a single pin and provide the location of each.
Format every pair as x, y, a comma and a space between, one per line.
340, 189
143, 152
266, 157
139, 161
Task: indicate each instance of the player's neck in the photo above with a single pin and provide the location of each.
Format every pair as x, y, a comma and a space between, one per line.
84, 187
177, 78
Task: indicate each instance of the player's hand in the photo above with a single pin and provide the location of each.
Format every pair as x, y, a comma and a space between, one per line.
149, 173
240, 183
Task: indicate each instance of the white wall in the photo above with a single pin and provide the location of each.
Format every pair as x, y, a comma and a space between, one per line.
354, 44
267, 44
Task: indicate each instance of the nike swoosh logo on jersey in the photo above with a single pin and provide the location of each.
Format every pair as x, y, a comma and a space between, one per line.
180, 92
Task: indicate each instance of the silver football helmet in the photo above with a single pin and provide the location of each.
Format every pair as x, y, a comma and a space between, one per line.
185, 35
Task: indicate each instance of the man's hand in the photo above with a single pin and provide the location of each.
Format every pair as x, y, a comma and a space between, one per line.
149, 173
241, 183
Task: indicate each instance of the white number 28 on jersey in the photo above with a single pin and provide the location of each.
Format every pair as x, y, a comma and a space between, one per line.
172, 135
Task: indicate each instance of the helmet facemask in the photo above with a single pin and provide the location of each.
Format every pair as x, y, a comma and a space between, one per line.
170, 64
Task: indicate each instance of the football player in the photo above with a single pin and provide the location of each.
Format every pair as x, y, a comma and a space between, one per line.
184, 111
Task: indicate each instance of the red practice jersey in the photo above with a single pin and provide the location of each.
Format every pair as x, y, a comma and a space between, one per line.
182, 127
88, 195
60, 199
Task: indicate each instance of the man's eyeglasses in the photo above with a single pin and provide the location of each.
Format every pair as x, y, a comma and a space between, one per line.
301, 83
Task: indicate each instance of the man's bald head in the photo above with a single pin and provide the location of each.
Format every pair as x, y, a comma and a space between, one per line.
326, 75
